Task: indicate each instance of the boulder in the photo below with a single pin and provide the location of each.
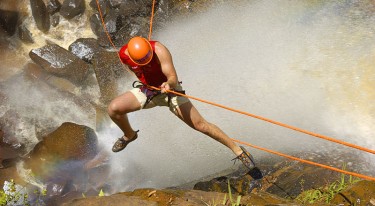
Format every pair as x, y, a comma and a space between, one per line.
53, 6
68, 142
85, 48
72, 8
102, 4
40, 14
63, 149
25, 35
60, 62
96, 25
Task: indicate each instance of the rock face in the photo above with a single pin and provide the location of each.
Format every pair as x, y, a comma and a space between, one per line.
60, 62
105, 66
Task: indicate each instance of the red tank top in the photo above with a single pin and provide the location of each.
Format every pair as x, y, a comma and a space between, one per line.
150, 73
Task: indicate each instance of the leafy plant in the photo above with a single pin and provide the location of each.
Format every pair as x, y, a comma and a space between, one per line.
13, 194
225, 200
237, 203
326, 193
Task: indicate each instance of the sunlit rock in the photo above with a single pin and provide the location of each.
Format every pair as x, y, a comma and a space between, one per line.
72, 8
8, 21
85, 48
60, 62
361, 193
40, 14
68, 143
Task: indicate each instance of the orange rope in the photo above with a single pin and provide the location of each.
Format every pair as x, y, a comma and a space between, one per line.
104, 26
274, 122
308, 162
255, 116
151, 19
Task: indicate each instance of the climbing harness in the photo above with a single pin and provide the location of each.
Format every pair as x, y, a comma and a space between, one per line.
151, 93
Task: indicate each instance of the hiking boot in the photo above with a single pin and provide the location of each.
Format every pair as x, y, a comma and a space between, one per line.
121, 143
246, 158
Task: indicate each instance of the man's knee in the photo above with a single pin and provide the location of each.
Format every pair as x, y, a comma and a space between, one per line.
113, 109
202, 126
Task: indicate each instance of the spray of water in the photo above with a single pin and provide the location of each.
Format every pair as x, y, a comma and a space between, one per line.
307, 64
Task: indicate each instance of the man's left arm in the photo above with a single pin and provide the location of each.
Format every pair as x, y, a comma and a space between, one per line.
167, 67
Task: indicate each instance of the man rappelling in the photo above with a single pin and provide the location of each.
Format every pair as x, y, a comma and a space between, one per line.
152, 63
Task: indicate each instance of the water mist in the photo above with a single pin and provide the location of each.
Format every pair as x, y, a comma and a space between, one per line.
301, 63
306, 64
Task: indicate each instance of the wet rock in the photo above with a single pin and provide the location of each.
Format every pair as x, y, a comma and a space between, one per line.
177, 197
60, 62
25, 35
53, 6
40, 14
85, 48
9, 21
11, 123
113, 200
72, 8
115, 3
70, 143
102, 4
105, 66
55, 20
361, 193
113, 22
37, 72
96, 25
130, 8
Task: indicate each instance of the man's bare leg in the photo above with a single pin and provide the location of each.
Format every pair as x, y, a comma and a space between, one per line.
117, 110
190, 115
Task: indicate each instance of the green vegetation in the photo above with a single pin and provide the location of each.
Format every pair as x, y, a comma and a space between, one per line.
14, 194
326, 193
225, 200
